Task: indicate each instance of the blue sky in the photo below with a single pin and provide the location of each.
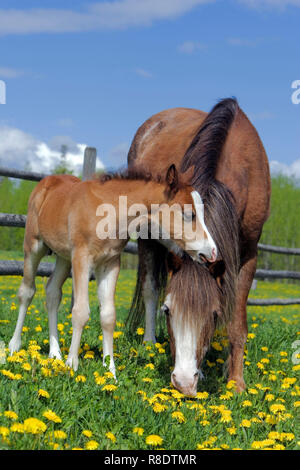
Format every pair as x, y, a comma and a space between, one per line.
84, 72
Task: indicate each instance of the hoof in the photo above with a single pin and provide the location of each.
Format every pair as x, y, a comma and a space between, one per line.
14, 346
55, 355
72, 362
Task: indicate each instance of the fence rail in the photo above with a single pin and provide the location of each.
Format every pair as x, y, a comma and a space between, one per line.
15, 268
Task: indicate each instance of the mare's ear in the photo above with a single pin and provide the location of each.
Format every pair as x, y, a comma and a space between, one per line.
174, 262
172, 180
217, 270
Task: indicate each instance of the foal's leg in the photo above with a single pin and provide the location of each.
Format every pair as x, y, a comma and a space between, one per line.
27, 289
237, 329
149, 288
107, 276
81, 309
53, 299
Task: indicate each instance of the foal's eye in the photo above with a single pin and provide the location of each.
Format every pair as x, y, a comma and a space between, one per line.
189, 216
165, 309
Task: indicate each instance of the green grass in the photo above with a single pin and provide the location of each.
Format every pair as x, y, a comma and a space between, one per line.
85, 406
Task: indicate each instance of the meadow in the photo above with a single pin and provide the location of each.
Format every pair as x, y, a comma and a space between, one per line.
44, 405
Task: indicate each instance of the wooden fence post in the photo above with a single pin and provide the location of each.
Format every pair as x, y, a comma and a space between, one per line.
89, 163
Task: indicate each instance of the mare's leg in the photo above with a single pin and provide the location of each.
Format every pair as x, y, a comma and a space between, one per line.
53, 299
81, 309
237, 329
150, 290
32, 257
107, 276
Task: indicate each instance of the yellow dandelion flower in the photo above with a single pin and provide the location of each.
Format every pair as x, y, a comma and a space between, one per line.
269, 397
10, 414
34, 426
17, 427
91, 445
43, 393
231, 431
245, 423
246, 403
51, 416
109, 388
154, 440
179, 416
80, 378
138, 431
87, 433
159, 408
111, 436
61, 435
140, 331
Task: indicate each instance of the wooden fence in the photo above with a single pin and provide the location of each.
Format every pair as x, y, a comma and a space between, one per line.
15, 268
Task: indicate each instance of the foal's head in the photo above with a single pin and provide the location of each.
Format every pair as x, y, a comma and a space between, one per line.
193, 306
180, 217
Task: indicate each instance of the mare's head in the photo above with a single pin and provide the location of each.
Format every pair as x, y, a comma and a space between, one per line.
180, 218
193, 307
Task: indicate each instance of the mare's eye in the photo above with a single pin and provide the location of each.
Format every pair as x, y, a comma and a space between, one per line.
165, 309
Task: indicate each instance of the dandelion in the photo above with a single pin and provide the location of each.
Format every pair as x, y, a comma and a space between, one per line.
11, 415
231, 431
245, 423
109, 388
269, 397
178, 416
87, 433
140, 331
17, 427
154, 440
159, 408
138, 431
111, 436
61, 435
277, 408
34, 426
51, 416
91, 445
80, 378
43, 393
246, 403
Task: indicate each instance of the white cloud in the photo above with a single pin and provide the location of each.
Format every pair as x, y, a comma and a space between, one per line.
19, 149
106, 15
278, 4
292, 170
7, 72
189, 47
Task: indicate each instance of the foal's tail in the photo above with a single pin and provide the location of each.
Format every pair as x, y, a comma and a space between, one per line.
153, 260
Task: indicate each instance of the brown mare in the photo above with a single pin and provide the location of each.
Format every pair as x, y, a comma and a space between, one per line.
63, 218
231, 173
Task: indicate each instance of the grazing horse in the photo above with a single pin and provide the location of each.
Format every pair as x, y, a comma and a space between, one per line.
231, 172
63, 218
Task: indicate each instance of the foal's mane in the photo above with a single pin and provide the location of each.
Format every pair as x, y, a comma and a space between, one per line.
134, 174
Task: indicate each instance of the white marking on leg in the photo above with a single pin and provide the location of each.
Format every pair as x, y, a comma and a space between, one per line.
107, 276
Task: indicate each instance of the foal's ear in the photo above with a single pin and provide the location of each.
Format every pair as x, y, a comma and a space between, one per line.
172, 179
217, 270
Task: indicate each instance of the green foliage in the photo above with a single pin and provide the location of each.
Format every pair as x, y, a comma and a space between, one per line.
283, 226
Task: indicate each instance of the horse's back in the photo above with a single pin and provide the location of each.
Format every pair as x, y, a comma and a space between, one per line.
243, 165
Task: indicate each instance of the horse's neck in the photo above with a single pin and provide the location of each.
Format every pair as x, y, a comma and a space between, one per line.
146, 193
